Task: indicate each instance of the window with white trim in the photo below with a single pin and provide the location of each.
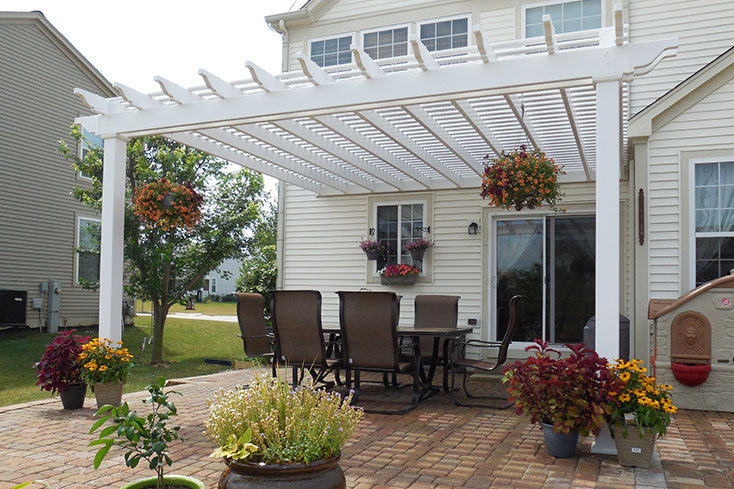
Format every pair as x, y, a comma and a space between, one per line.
213, 286
398, 225
714, 226
87, 250
90, 140
386, 43
330, 52
445, 34
566, 16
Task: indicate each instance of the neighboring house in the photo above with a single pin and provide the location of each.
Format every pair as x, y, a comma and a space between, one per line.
223, 280
41, 224
674, 128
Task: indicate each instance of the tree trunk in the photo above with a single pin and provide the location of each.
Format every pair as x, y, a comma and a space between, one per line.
160, 312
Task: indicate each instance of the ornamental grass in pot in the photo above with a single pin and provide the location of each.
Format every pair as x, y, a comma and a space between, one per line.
568, 396
641, 415
273, 436
105, 366
143, 438
59, 369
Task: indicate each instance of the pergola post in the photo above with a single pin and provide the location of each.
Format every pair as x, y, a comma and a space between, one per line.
608, 157
112, 239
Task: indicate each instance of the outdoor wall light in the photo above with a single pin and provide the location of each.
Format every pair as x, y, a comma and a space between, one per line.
473, 228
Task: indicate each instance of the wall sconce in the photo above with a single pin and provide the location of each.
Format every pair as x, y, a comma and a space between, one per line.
473, 228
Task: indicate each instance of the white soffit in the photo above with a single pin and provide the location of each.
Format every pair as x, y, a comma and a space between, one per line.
415, 122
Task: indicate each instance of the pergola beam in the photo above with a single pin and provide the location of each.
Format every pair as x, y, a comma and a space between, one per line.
219, 86
486, 52
365, 63
474, 119
313, 72
571, 113
526, 125
265, 80
378, 121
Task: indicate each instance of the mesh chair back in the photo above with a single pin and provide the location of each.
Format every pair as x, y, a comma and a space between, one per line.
251, 318
368, 321
511, 327
297, 324
433, 311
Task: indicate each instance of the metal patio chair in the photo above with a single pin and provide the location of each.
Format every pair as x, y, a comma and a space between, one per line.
299, 337
459, 362
368, 323
256, 341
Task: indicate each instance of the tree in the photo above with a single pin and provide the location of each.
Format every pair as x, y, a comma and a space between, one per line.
259, 269
164, 266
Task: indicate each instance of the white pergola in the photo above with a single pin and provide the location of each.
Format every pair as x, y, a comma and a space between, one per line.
423, 121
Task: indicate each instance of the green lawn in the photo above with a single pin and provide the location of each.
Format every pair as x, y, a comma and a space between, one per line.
211, 308
186, 344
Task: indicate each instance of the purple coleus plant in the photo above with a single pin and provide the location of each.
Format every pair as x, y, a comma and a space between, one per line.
59, 365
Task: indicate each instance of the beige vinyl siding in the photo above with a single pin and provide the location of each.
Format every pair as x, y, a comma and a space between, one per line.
358, 8
38, 222
704, 127
498, 25
705, 29
321, 248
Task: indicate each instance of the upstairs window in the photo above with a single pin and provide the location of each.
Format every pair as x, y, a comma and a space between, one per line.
714, 189
90, 140
331, 52
445, 34
567, 17
87, 251
398, 225
387, 43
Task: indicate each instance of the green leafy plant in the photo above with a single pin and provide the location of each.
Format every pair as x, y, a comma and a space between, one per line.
59, 365
571, 393
273, 424
642, 402
145, 438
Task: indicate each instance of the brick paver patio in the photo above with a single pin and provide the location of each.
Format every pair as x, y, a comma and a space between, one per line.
436, 445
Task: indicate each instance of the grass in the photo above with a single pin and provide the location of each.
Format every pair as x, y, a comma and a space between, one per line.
186, 344
210, 308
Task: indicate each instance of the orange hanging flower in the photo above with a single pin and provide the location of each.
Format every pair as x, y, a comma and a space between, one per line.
167, 205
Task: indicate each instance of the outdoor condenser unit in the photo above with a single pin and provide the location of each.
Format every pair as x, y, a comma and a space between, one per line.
13, 307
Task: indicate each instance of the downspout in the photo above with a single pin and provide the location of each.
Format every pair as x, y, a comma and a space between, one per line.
280, 238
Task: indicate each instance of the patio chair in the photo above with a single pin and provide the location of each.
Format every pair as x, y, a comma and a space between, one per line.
368, 323
439, 311
256, 341
458, 360
299, 337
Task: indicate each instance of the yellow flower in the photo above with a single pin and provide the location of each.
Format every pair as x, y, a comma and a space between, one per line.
125, 359
82, 356
102, 368
670, 408
624, 376
107, 357
625, 397
92, 368
639, 392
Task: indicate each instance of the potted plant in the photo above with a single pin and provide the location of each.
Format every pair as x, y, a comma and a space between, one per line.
373, 249
143, 438
568, 396
168, 205
398, 275
641, 415
105, 366
418, 248
522, 179
271, 436
59, 369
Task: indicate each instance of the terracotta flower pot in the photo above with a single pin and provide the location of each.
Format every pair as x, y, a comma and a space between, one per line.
72, 395
168, 480
108, 393
321, 474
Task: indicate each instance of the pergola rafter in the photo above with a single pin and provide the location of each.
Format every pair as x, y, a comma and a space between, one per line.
417, 122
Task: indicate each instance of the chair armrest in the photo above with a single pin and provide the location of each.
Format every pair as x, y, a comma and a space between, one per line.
269, 335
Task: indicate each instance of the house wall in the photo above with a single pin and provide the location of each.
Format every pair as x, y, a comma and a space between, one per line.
703, 130
321, 249
39, 214
703, 27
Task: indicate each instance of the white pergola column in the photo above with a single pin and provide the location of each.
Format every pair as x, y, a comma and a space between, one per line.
112, 239
608, 134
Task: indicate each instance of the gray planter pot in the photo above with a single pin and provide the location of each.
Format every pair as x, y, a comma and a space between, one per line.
560, 445
402, 280
418, 254
372, 255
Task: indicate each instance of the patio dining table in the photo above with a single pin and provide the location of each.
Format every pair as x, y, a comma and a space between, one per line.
415, 333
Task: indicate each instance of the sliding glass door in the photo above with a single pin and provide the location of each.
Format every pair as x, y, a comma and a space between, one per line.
549, 260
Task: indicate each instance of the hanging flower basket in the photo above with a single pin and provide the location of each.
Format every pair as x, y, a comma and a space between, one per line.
373, 249
418, 248
522, 180
167, 205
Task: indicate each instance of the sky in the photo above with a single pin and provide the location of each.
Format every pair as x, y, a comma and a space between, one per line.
132, 41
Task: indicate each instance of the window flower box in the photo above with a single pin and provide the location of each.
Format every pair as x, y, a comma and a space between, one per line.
398, 275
